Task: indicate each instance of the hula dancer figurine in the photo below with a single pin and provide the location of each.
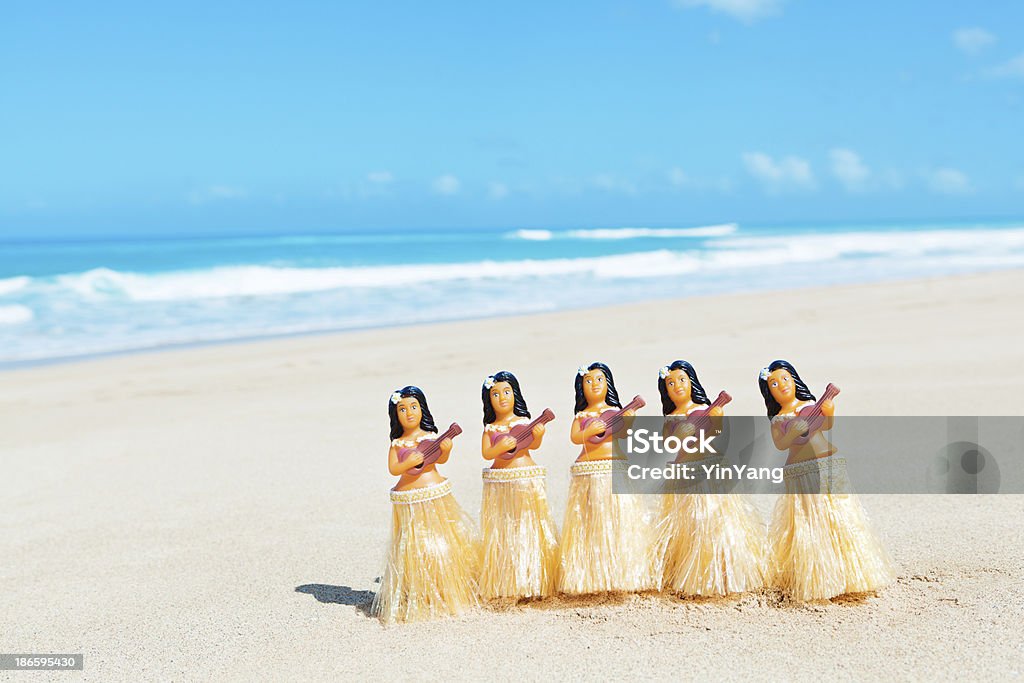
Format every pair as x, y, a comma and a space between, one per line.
433, 559
605, 538
710, 542
520, 558
821, 544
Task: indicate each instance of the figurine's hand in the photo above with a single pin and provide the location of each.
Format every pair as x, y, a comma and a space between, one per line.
445, 445
828, 408
595, 427
686, 429
799, 426
538, 431
629, 413
508, 442
716, 412
416, 458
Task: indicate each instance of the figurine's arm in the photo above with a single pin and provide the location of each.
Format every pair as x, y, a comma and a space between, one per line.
828, 410
491, 451
683, 429
446, 450
399, 467
538, 436
578, 434
784, 440
716, 414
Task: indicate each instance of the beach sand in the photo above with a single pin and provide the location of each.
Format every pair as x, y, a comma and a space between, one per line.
221, 513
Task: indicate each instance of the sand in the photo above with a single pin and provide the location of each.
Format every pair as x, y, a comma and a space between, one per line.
221, 513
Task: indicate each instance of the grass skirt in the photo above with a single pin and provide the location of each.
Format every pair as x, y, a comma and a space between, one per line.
709, 543
821, 542
605, 538
520, 541
433, 559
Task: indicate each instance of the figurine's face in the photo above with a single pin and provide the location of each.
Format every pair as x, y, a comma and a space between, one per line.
780, 384
502, 399
409, 412
595, 386
677, 383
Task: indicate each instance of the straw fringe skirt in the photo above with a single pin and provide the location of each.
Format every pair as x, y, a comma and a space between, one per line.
821, 542
709, 543
520, 556
433, 559
606, 537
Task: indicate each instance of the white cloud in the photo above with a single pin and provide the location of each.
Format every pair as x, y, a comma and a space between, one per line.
678, 177
849, 169
972, 40
1011, 69
611, 183
681, 180
786, 173
945, 180
497, 190
447, 184
381, 177
893, 179
214, 193
744, 10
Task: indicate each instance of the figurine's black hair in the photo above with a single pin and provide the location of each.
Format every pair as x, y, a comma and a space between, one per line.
612, 397
802, 392
426, 421
518, 404
697, 394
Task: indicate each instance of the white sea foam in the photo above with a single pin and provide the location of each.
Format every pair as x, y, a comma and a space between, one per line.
13, 284
634, 233
624, 233
15, 315
534, 235
251, 281
911, 243
725, 254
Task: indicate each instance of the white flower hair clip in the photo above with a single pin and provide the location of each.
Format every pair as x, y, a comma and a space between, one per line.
396, 397
764, 373
663, 372
581, 371
489, 382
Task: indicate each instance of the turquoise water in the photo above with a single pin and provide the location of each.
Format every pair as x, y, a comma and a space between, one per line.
61, 299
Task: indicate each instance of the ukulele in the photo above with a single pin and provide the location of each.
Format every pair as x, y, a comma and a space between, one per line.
701, 419
430, 448
812, 415
522, 433
612, 419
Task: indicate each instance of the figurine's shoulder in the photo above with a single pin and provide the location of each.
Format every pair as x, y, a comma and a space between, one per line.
408, 443
514, 422
791, 413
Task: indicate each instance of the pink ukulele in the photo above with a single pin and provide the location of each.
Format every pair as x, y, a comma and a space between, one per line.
613, 420
522, 433
430, 448
812, 415
701, 419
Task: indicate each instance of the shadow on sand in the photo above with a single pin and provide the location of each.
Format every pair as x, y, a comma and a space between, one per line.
339, 595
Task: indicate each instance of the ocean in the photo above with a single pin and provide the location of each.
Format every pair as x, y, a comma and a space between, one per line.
63, 299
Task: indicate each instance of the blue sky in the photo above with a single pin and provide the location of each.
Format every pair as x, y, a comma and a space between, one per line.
232, 117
